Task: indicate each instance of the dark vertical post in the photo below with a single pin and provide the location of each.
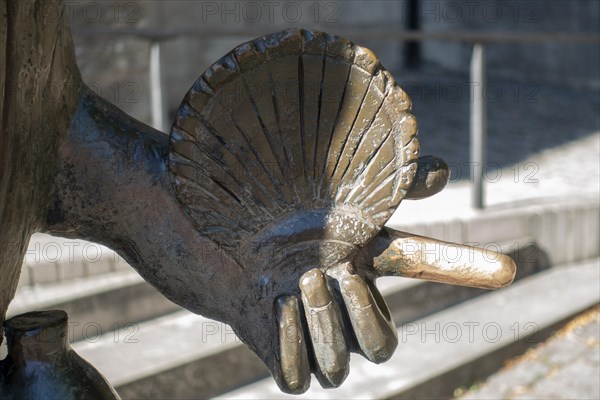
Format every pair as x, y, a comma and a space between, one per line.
412, 48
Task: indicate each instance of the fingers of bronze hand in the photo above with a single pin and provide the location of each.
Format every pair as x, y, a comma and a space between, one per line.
293, 355
376, 335
342, 312
325, 327
373, 328
431, 177
395, 253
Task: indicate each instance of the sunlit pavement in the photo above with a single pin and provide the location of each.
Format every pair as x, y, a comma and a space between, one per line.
566, 366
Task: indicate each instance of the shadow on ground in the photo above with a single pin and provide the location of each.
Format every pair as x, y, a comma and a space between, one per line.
524, 117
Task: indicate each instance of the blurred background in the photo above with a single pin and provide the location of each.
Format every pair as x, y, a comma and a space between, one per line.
507, 92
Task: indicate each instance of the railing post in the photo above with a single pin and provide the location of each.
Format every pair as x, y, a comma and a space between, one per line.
478, 125
158, 109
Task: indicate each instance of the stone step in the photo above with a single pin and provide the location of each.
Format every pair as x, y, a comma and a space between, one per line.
566, 229
96, 305
554, 224
51, 259
465, 343
184, 355
177, 356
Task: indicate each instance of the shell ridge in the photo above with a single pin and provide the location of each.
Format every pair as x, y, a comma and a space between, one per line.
301, 111
213, 222
379, 203
331, 135
311, 55
271, 130
248, 57
191, 112
378, 183
364, 134
209, 157
345, 145
272, 191
283, 67
213, 216
381, 215
182, 135
200, 89
235, 206
345, 130
287, 175
206, 193
365, 168
259, 159
316, 187
338, 60
410, 165
266, 203
219, 163
264, 131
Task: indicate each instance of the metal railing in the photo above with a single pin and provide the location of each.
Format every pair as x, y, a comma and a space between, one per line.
478, 114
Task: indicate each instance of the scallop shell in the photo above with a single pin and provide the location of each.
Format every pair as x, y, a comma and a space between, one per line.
296, 139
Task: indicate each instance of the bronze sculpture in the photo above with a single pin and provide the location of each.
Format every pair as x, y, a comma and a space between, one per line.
265, 206
42, 364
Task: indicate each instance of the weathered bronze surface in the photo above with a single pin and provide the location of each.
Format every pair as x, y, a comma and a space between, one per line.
42, 365
265, 206
412, 256
39, 82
